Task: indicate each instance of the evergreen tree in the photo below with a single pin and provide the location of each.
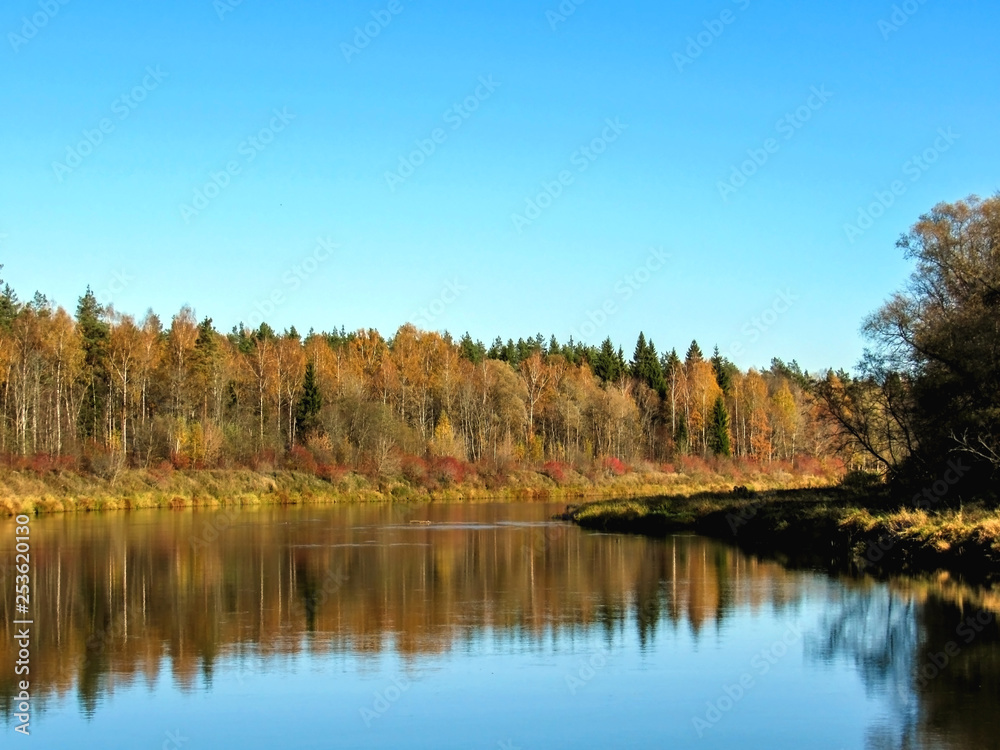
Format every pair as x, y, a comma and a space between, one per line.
9, 306
645, 366
242, 338
310, 402
524, 350
573, 352
638, 363
510, 353
718, 436
204, 360
473, 351
722, 368
608, 364
264, 333
95, 335
670, 363
496, 349
655, 377
693, 354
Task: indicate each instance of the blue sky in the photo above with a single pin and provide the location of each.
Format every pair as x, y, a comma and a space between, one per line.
762, 267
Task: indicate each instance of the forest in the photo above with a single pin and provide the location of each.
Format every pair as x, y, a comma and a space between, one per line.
100, 391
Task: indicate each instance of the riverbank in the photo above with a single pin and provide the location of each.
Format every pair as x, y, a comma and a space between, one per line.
830, 528
165, 487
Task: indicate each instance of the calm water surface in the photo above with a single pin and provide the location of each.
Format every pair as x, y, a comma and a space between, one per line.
489, 627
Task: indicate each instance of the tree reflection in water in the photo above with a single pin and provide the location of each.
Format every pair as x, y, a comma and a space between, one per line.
120, 597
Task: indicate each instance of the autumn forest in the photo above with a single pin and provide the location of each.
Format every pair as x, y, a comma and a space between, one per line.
99, 391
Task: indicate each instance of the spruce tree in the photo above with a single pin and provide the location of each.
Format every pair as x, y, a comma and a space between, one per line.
204, 360
670, 363
718, 436
95, 335
645, 366
9, 305
693, 354
310, 403
606, 362
722, 368
639, 358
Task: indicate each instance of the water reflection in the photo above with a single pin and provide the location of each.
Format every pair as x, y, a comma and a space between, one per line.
932, 649
121, 597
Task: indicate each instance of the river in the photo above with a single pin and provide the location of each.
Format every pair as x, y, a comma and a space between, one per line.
475, 626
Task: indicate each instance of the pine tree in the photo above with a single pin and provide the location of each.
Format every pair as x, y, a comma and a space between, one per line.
496, 349
718, 436
473, 351
310, 403
264, 333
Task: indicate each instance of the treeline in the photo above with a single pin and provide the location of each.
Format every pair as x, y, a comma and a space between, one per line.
103, 391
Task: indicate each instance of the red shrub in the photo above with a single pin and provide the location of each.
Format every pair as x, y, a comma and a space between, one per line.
615, 466
44, 463
67, 463
414, 470
164, 470
808, 465
300, 459
330, 472
449, 470
694, 465
495, 476
556, 471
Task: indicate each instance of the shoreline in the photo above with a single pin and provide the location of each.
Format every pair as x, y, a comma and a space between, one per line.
830, 528
71, 492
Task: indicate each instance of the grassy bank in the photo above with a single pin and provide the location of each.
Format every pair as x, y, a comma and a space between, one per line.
830, 528
165, 487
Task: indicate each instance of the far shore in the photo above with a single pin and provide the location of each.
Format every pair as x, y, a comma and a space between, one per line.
163, 487
803, 520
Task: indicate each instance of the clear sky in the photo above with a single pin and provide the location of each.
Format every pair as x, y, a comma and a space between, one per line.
633, 121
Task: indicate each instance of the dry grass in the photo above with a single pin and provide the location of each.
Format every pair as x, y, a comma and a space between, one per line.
65, 491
